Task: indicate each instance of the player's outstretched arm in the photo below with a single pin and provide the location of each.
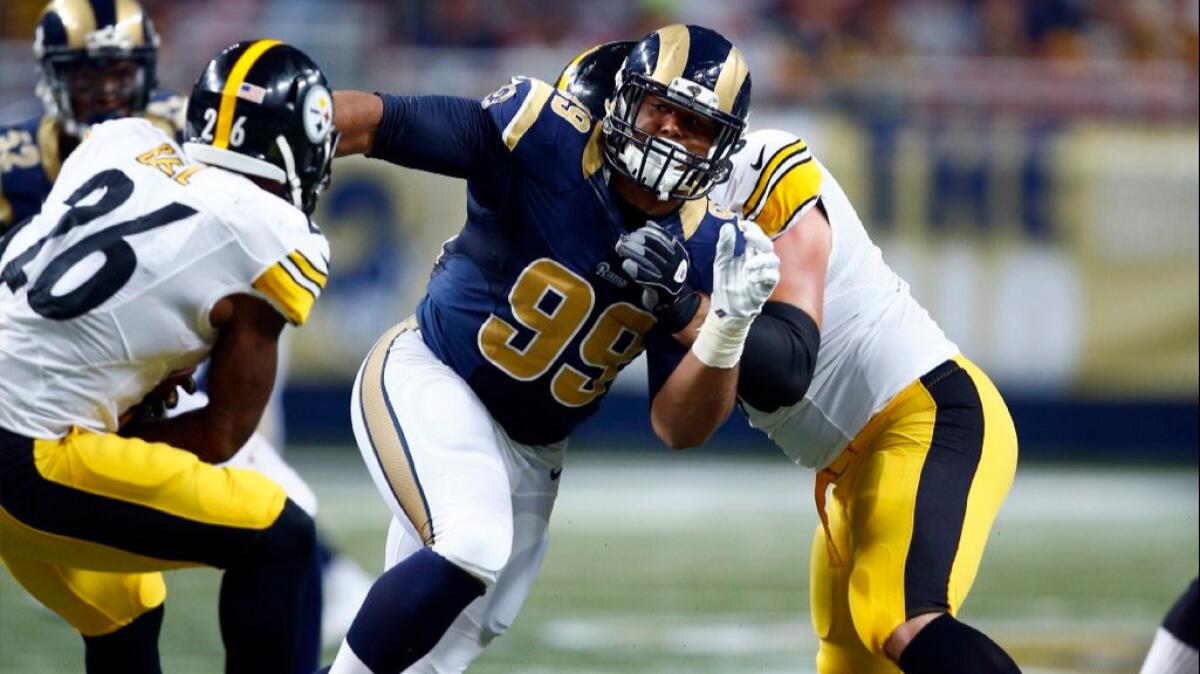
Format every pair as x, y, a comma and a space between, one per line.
698, 395
356, 115
241, 375
781, 349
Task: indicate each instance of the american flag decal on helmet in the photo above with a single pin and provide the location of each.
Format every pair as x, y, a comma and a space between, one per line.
252, 93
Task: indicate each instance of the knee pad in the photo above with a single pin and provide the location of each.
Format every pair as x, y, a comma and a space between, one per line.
480, 547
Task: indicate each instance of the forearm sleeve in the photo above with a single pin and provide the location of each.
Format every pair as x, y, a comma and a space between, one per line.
779, 358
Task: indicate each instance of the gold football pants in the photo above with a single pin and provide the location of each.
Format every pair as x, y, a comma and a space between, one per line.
88, 521
914, 497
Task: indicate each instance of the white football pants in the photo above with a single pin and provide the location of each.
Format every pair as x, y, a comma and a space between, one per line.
456, 482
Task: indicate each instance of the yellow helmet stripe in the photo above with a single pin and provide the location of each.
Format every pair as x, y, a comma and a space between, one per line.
232, 85
674, 42
729, 82
764, 178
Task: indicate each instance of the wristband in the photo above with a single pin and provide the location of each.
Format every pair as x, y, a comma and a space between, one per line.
721, 340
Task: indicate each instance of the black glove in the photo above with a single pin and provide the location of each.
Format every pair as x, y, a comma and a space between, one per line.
658, 262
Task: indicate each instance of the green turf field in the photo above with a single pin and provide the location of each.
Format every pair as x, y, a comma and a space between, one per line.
674, 564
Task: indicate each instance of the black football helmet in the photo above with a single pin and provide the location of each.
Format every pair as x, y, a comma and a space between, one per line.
101, 52
591, 76
263, 108
694, 68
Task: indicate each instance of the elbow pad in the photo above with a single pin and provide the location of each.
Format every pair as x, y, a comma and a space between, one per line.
779, 358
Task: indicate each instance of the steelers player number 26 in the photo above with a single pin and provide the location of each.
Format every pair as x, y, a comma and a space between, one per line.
551, 304
120, 260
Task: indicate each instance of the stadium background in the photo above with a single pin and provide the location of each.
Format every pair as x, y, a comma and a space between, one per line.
1030, 167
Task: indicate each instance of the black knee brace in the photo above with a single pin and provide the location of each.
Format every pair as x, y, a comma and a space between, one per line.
946, 646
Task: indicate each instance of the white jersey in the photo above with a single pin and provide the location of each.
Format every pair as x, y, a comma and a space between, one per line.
109, 289
875, 338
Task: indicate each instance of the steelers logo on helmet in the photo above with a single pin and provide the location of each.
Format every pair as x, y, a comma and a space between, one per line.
318, 113
688, 67
277, 100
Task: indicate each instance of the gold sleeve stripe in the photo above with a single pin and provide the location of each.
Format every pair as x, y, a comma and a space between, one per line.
308, 269
531, 107
795, 191
232, 85
764, 178
291, 296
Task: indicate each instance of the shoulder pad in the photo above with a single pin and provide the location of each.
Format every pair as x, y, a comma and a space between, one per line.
544, 128
18, 147
169, 112
287, 253
774, 180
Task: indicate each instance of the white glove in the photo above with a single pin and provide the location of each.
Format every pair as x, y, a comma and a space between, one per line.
741, 285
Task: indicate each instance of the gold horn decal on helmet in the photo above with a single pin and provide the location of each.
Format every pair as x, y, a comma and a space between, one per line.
730, 81
674, 42
130, 22
232, 85
78, 20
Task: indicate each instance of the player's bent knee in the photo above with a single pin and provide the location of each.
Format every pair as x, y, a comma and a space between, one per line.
292, 536
900, 637
481, 548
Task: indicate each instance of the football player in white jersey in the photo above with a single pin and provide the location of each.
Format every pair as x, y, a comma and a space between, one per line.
146, 259
850, 376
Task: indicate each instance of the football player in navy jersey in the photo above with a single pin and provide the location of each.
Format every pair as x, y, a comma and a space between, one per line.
97, 63
587, 241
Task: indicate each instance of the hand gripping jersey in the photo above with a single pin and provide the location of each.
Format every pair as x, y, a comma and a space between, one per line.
875, 338
528, 303
109, 288
30, 156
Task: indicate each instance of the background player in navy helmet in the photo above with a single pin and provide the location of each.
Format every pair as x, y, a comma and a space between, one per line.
586, 242
96, 62
843, 363
206, 255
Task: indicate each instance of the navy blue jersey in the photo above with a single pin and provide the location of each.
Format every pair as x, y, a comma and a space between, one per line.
528, 303
30, 156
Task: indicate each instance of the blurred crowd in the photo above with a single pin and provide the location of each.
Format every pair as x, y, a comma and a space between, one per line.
801, 51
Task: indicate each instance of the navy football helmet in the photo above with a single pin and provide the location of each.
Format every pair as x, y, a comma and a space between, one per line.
591, 76
97, 61
693, 68
263, 108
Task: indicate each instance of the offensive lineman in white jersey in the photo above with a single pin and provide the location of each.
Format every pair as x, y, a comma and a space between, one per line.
146, 259
850, 376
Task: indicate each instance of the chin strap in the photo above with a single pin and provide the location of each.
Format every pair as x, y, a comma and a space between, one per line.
289, 165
